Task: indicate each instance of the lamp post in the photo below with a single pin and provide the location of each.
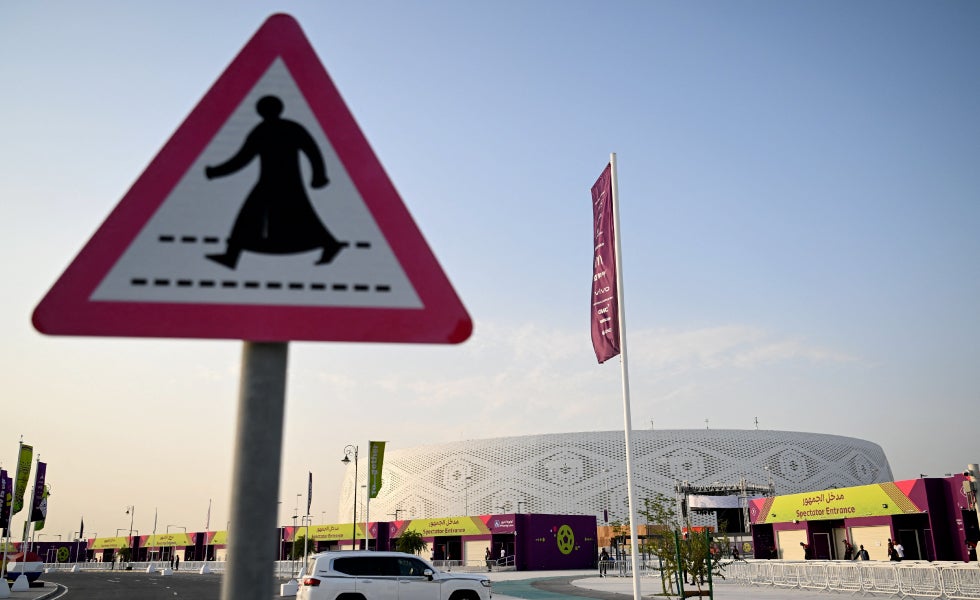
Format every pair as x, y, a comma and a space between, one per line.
174, 552
131, 544
348, 450
131, 511
467, 511
605, 510
395, 514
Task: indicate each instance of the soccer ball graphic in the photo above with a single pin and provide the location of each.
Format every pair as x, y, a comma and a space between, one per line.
566, 539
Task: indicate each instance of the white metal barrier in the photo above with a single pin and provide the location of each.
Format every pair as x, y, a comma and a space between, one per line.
961, 581
284, 569
912, 579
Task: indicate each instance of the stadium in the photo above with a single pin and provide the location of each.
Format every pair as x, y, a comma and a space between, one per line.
584, 473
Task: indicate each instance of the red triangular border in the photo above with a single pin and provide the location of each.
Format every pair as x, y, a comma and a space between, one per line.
67, 310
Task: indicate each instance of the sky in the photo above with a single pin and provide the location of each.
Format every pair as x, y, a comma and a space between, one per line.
800, 204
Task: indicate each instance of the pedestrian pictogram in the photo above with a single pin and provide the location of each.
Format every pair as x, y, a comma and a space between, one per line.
265, 217
277, 217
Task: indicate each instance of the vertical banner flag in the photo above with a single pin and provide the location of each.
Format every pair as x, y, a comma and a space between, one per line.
43, 508
81, 529
23, 474
36, 514
376, 456
6, 494
605, 303
309, 492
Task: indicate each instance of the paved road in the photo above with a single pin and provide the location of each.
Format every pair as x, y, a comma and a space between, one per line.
123, 585
548, 585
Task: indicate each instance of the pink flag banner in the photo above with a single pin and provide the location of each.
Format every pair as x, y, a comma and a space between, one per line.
605, 303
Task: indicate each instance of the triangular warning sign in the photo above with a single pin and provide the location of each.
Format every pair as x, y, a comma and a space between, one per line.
266, 217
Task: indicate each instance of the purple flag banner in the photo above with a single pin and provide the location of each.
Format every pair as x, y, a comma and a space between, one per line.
605, 303
6, 495
37, 514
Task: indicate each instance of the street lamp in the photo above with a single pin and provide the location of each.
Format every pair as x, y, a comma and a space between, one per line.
468, 480
174, 545
131, 511
348, 449
605, 510
395, 514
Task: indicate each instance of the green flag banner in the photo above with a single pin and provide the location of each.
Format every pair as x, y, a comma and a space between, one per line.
23, 474
376, 457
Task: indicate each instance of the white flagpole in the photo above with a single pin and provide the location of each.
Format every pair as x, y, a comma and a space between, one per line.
627, 419
367, 501
207, 530
306, 538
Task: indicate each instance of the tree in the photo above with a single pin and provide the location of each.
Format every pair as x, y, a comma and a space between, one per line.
298, 544
678, 557
411, 542
661, 512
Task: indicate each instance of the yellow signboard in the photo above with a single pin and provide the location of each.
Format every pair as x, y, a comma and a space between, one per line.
168, 539
874, 500
219, 538
448, 526
109, 543
328, 533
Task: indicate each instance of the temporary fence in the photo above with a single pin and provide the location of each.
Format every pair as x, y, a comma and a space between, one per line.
913, 579
283, 569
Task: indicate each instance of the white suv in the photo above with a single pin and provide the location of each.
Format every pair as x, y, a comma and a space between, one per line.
363, 575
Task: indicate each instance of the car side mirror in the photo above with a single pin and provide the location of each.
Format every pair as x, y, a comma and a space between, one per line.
428, 574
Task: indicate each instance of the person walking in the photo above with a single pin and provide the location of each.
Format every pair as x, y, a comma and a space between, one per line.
862, 554
603, 562
807, 552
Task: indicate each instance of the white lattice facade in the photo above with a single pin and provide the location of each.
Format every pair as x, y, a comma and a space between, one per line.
585, 473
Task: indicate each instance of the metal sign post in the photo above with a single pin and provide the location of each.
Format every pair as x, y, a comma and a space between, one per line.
255, 478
